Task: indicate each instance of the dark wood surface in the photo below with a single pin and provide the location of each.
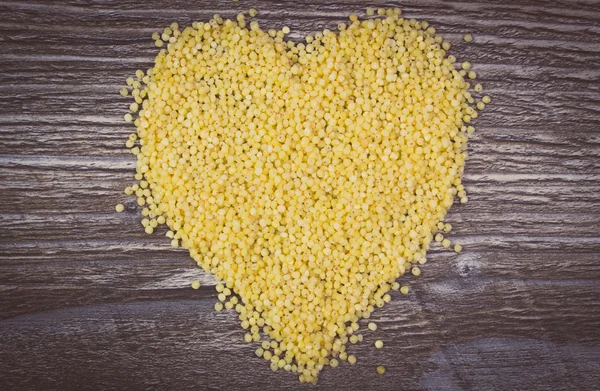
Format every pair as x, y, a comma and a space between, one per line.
88, 301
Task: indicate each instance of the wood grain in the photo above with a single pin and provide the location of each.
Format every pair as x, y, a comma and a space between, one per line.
88, 301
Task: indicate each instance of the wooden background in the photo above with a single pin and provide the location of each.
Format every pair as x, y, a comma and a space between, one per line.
88, 301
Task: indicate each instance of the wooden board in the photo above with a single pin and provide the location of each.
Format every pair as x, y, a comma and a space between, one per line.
88, 301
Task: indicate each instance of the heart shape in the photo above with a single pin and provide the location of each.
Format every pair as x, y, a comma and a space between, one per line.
308, 177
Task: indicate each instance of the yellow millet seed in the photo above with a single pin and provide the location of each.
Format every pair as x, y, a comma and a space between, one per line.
486, 99
372, 326
370, 11
404, 290
120, 208
381, 369
252, 12
468, 38
458, 248
308, 177
378, 344
478, 87
195, 284
480, 105
446, 243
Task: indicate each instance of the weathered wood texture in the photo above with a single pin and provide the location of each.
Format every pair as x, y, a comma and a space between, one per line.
88, 301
